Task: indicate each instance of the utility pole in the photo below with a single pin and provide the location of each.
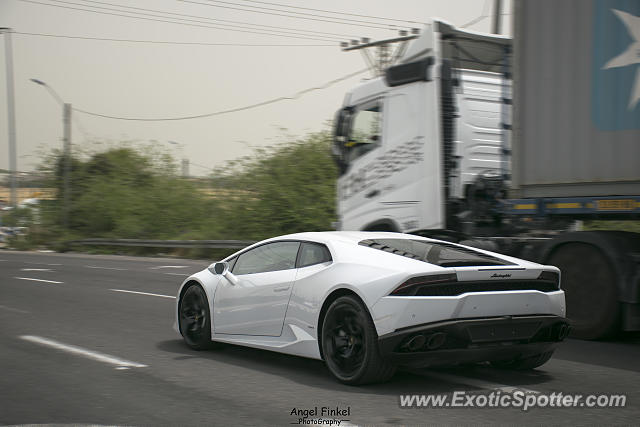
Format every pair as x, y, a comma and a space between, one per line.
11, 116
384, 57
66, 119
497, 16
185, 168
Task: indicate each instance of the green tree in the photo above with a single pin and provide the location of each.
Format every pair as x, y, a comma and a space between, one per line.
284, 189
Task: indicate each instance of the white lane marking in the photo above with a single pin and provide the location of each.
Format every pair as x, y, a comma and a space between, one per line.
487, 385
54, 264
142, 293
100, 357
16, 310
46, 251
38, 280
177, 274
36, 269
106, 268
168, 266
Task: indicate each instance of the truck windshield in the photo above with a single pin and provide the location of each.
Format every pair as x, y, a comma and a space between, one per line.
438, 253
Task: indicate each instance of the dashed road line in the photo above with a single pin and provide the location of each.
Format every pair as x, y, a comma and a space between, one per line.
487, 385
168, 266
38, 280
142, 293
106, 268
15, 310
177, 274
36, 269
89, 354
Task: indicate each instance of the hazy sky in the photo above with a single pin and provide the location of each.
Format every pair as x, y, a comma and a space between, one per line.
155, 80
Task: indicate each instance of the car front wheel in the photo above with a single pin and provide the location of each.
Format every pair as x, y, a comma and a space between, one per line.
350, 344
195, 320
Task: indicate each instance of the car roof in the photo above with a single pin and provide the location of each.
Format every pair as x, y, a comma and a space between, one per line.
346, 236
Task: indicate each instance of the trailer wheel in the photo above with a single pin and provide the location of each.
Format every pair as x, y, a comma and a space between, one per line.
589, 282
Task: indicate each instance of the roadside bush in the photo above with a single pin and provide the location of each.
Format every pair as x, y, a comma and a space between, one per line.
124, 192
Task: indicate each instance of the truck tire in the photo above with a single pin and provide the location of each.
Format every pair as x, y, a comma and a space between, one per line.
589, 282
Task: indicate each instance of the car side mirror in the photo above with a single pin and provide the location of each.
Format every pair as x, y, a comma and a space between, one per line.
222, 269
219, 268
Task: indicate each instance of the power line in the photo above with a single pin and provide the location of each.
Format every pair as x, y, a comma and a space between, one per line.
336, 12
297, 13
201, 166
315, 18
232, 110
173, 22
483, 15
278, 28
171, 42
217, 25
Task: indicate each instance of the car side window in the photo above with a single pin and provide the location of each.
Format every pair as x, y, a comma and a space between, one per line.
270, 257
313, 253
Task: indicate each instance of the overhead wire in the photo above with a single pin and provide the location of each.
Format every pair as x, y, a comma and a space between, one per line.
212, 19
228, 111
312, 17
170, 42
336, 12
297, 13
174, 22
229, 27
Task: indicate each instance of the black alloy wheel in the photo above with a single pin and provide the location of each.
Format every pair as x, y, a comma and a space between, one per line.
350, 344
195, 320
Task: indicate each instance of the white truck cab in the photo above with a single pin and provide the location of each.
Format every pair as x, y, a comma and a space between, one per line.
411, 145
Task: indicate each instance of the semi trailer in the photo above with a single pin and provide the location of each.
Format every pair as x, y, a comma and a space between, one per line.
509, 144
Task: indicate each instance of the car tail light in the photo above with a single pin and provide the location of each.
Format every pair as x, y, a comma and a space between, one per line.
550, 276
410, 286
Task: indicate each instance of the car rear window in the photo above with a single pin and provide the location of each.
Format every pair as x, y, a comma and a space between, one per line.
438, 253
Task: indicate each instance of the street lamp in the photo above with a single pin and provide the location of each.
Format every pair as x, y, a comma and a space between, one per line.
66, 120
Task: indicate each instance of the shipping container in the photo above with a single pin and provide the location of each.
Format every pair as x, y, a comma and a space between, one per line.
576, 100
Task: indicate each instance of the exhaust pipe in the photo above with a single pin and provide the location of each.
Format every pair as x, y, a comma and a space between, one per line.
563, 332
415, 343
436, 340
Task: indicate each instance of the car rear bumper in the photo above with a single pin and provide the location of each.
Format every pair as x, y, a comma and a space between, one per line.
474, 340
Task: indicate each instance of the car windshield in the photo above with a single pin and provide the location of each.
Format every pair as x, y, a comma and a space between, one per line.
438, 253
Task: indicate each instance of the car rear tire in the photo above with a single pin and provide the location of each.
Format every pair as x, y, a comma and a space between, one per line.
195, 319
524, 364
350, 344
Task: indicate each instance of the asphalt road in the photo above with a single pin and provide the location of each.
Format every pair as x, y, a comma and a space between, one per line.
76, 349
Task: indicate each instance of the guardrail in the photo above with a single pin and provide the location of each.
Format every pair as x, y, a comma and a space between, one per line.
212, 244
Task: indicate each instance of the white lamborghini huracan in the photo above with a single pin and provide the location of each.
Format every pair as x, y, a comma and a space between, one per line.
367, 302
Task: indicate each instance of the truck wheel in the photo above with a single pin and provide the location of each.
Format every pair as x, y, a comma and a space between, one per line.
589, 282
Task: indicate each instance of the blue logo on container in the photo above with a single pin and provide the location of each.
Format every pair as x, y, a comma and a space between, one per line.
616, 65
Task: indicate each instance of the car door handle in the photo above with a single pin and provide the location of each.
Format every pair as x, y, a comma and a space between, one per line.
281, 289
371, 194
